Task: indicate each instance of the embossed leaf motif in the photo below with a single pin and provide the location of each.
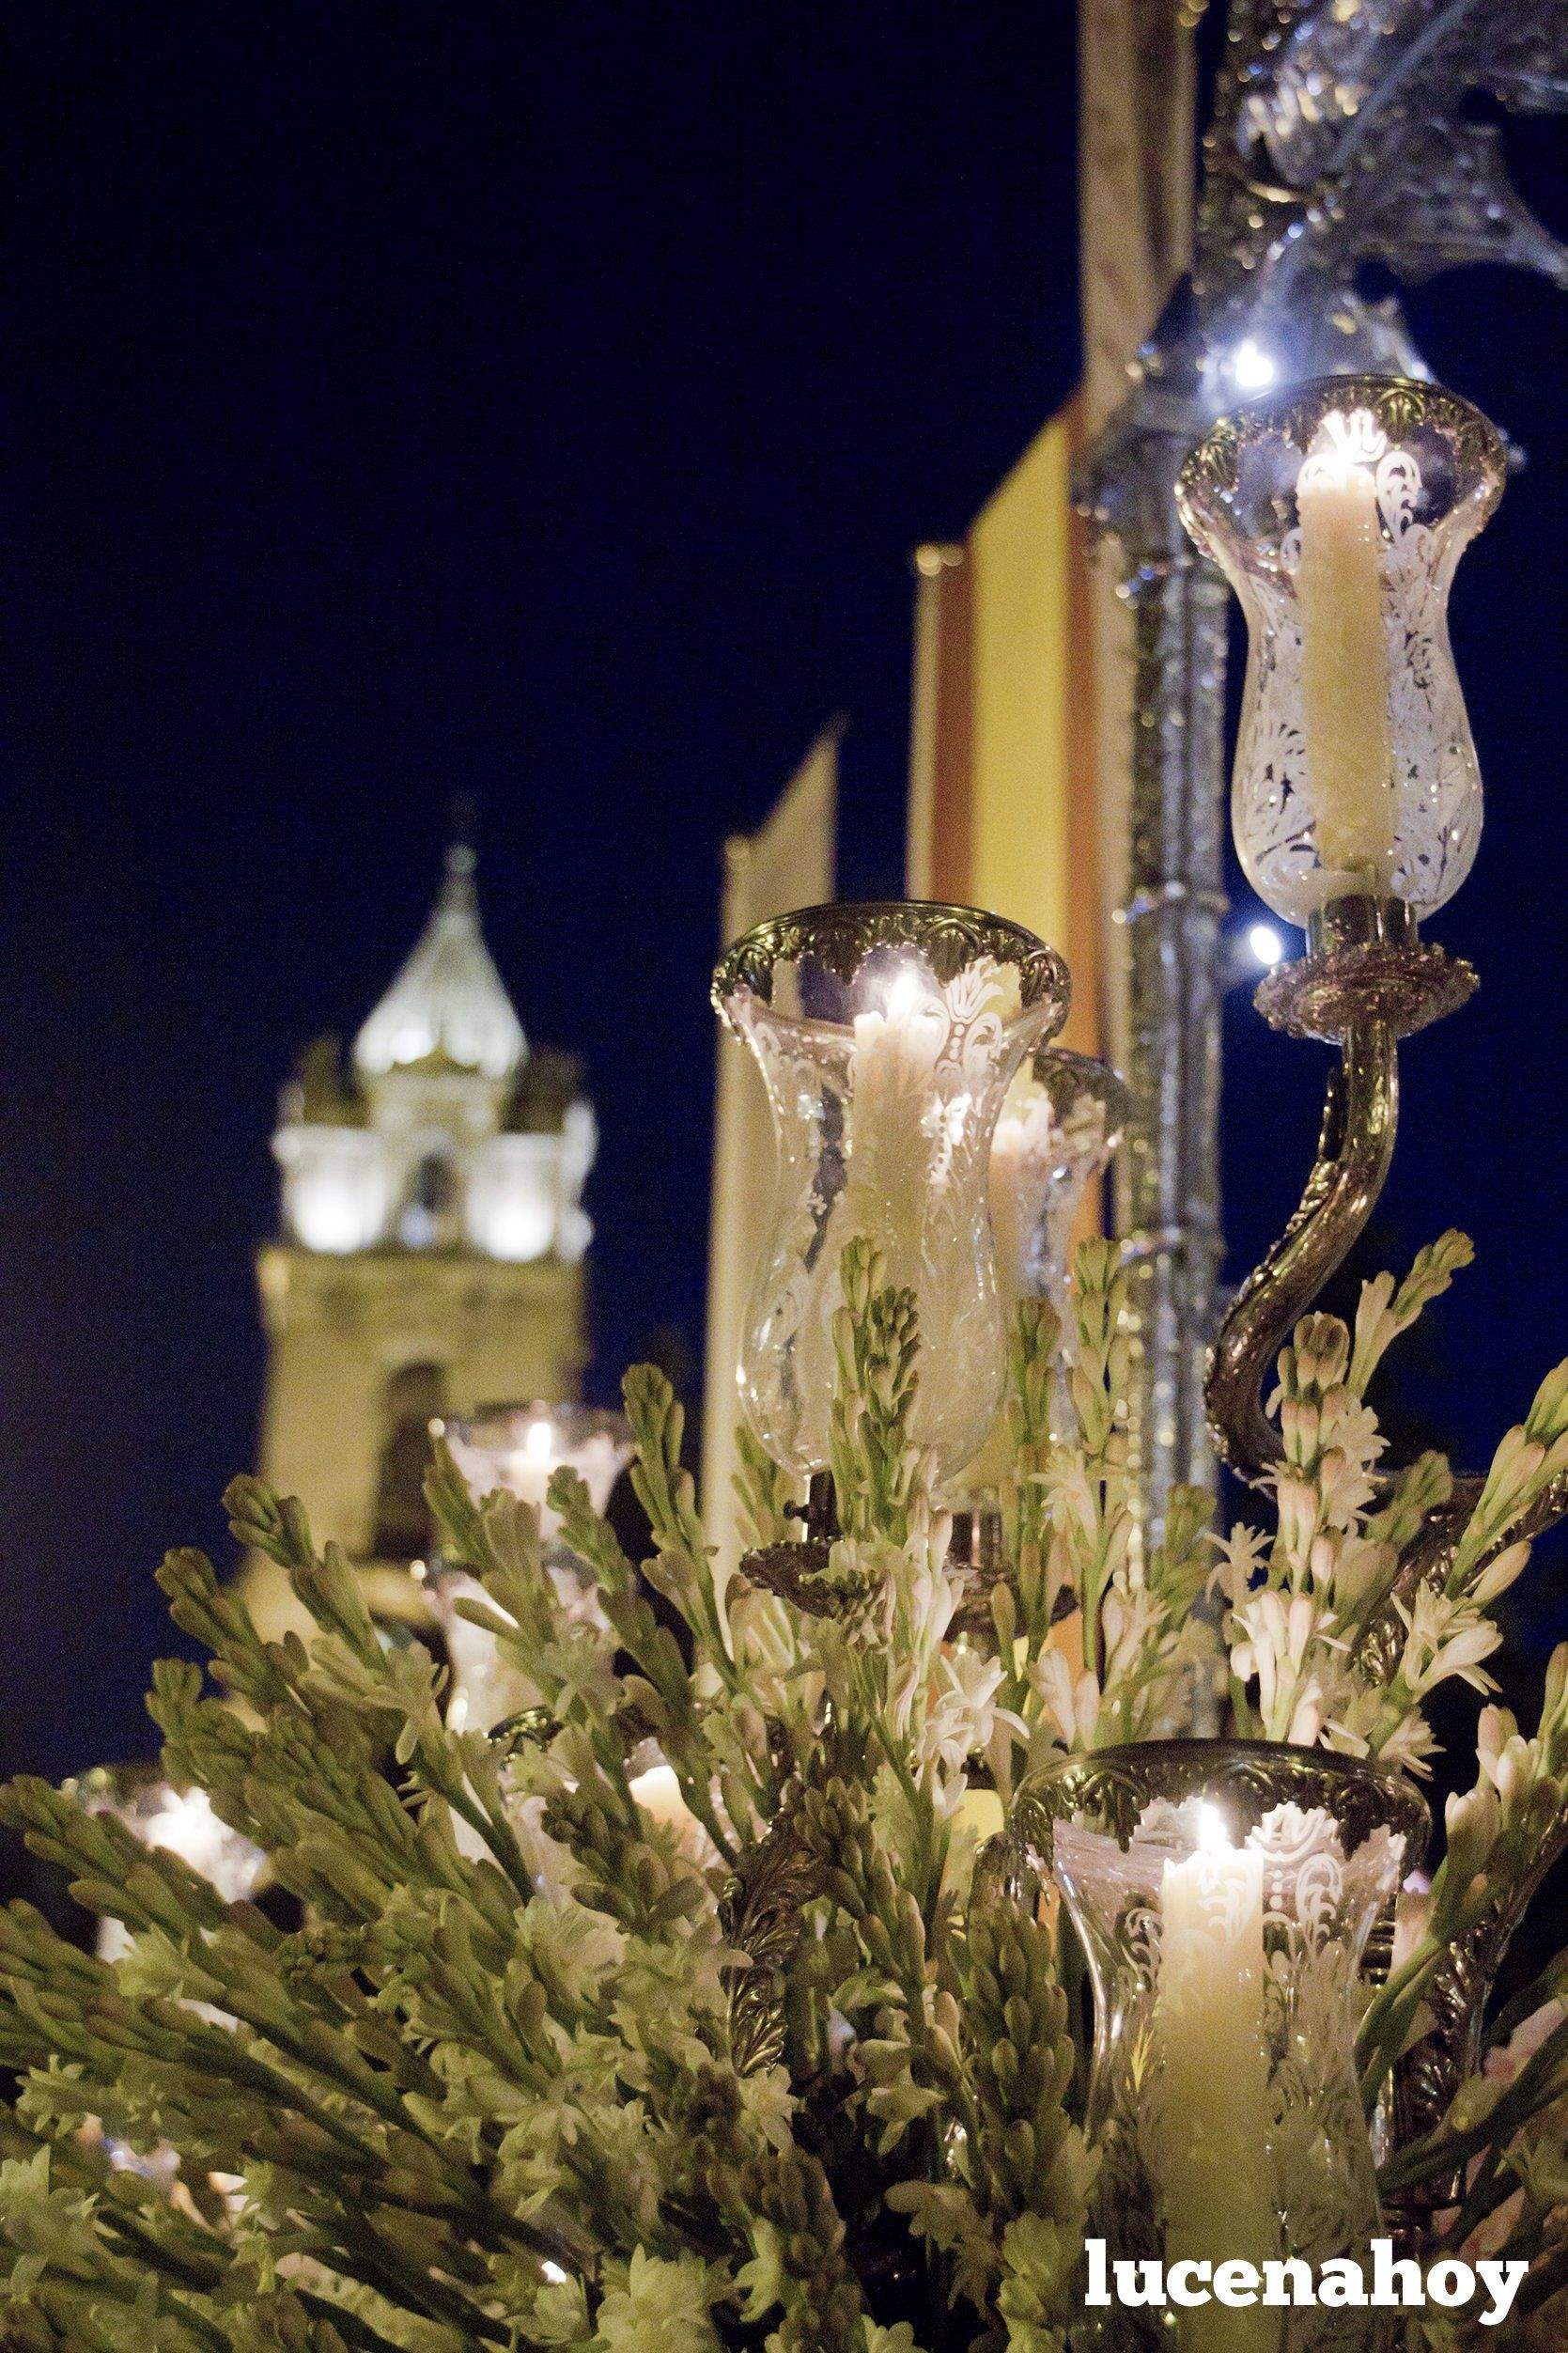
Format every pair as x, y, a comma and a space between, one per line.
763, 1916
840, 938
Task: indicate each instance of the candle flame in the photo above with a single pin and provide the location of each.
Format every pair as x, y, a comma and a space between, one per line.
903, 996
538, 1440
1214, 1836
1344, 446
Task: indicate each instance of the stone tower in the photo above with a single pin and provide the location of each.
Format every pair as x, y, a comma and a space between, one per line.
429, 1258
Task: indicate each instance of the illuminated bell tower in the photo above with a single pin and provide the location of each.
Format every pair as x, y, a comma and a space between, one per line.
430, 1254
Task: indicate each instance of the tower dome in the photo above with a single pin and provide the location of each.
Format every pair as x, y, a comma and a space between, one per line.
448, 1006
430, 1252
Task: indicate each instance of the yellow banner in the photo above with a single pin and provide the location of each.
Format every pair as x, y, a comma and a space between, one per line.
1001, 786
788, 863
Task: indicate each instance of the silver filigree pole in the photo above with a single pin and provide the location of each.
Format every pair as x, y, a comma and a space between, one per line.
1168, 1171
1338, 136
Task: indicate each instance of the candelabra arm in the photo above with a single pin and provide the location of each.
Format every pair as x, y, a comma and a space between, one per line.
1359, 1117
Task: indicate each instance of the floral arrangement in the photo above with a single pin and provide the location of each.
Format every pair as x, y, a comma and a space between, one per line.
785, 2074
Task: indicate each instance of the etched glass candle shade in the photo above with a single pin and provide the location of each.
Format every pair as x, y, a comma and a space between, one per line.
1223, 1894
887, 1037
1340, 516
1060, 1123
517, 1450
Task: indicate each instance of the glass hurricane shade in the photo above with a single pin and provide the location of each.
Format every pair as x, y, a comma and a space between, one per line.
887, 1037
1063, 1119
515, 1450
1338, 516
519, 1448
1222, 1892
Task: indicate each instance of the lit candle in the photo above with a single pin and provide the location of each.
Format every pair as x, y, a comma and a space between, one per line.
1214, 2166
1345, 669
888, 1147
892, 1101
487, 1684
187, 1827
1025, 1151
658, 1792
530, 1468
182, 1823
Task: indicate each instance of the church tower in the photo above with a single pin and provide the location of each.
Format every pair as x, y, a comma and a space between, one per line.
431, 1256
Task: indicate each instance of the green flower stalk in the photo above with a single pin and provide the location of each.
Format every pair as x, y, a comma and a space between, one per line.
531, 2064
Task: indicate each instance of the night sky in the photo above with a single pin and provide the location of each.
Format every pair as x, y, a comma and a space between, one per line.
540, 404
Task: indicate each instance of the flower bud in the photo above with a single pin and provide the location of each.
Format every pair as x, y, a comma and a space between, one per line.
1500, 1574
1472, 1820
1557, 1682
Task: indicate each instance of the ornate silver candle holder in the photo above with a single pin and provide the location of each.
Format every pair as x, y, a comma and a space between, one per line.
1222, 1892
887, 1037
1419, 471
1338, 515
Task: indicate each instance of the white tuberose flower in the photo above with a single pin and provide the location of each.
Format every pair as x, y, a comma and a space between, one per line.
1072, 1705
661, 2308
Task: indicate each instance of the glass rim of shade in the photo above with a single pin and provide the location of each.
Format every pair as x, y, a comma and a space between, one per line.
507, 1424
1257, 1775
1096, 1078
841, 936
1398, 403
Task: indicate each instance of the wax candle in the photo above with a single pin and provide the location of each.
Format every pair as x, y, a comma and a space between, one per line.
1344, 668
487, 1686
1214, 2166
187, 1827
658, 1792
1026, 1153
529, 1466
892, 1101
885, 1196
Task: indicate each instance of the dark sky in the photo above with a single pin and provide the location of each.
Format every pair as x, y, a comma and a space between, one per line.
542, 403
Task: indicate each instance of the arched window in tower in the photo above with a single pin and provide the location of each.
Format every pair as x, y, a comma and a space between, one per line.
413, 1397
430, 1205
